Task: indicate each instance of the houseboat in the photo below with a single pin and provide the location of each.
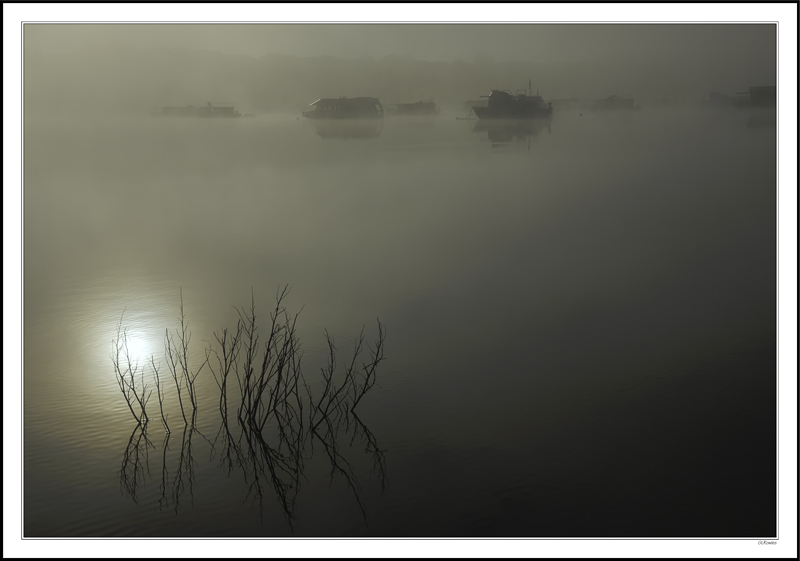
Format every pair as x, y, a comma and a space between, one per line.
418, 108
761, 102
615, 103
208, 110
758, 96
346, 108
218, 110
502, 104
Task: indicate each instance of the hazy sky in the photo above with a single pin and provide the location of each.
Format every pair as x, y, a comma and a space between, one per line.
433, 42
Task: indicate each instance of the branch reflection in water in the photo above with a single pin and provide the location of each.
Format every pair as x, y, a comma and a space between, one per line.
277, 418
135, 462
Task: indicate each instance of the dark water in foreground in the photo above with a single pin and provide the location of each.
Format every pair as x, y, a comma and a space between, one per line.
581, 324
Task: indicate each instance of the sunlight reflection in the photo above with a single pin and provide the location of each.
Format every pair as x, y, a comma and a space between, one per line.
141, 345
143, 308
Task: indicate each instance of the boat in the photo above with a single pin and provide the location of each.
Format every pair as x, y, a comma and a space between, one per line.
346, 108
615, 103
218, 110
502, 104
761, 104
209, 110
757, 96
417, 108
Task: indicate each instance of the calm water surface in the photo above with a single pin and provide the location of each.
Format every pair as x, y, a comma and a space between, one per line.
581, 323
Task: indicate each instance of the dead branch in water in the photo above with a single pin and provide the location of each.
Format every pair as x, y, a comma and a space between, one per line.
159, 392
125, 370
339, 399
178, 362
270, 373
230, 356
277, 420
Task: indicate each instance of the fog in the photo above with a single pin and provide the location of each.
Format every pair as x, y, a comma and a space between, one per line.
580, 304
263, 68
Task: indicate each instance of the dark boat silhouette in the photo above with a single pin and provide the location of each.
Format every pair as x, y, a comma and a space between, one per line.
503, 104
418, 108
346, 108
225, 110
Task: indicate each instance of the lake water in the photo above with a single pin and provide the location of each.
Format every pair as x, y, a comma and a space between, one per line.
580, 324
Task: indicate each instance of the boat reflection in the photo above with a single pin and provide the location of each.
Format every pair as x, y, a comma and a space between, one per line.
511, 132
348, 128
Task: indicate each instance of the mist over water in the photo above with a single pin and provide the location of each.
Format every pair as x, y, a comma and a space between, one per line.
580, 316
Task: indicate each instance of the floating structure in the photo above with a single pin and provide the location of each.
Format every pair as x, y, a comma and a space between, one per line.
225, 110
210, 110
615, 103
758, 96
418, 108
346, 108
502, 104
764, 96
761, 102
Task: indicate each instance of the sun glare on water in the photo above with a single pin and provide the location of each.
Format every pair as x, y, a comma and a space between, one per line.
140, 347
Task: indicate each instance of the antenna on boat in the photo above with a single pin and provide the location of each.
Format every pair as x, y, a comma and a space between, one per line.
529, 86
